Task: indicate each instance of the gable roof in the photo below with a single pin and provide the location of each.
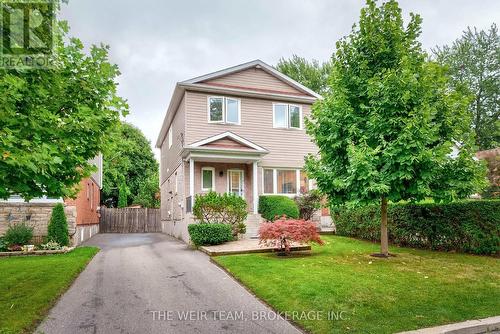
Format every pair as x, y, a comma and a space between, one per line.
304, 95
252, 64
228, 135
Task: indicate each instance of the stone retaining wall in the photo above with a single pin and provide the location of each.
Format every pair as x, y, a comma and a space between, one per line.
36, 215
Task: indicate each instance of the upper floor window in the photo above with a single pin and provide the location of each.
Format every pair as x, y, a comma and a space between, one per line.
224, 110
287, 116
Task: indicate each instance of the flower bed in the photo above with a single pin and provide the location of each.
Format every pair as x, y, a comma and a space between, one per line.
38, 252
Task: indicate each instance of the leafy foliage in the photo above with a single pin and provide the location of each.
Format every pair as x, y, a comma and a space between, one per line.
210, 234
3, 245
308, 203
283, 231
57, 231
312, 74
474, 65
215, 208
388, 125
52, 121
130, 159
149, 192
18, 234
470, 226
272, 207
123, 193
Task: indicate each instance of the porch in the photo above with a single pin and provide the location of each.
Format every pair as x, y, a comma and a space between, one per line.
223, 163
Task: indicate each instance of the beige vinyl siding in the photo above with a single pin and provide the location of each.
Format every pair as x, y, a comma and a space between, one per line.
170, 157
170, 199
287, 147
255, 78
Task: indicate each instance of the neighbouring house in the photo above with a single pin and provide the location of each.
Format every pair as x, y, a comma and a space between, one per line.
492, 158
238, 130
82, 212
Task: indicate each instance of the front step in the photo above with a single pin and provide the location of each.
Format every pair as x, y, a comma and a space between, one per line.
252, 224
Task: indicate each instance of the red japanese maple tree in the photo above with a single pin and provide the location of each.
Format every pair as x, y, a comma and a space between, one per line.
283, 231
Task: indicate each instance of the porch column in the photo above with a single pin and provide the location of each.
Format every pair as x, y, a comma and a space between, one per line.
255, 191
191, 180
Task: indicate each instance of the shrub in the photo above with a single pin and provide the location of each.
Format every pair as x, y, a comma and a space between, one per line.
284, 231
308, 203
3, 245
215, 208
210, 234
469, 226
18, 234
272, 207
58, 226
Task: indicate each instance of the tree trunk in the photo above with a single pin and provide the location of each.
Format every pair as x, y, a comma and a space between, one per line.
384, 238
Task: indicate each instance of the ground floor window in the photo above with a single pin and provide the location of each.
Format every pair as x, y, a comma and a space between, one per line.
284, 181
207, 178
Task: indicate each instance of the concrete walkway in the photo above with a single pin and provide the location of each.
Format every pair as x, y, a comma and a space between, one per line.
246, 246
151, 283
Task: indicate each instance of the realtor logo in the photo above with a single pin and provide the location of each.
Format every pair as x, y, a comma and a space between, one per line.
27, 33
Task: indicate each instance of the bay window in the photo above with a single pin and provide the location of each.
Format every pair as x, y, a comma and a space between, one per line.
284, 181
287, 116
224, 110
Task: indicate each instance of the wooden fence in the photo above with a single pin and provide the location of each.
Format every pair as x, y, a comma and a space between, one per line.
130, 220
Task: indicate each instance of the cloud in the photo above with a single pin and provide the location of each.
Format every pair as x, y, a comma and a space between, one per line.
157, 43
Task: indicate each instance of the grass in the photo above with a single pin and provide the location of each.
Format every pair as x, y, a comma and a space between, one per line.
30, 285
415, 289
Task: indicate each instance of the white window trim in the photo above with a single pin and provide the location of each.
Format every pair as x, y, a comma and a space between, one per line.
208, 108
287, 116
275, 181
224, 108
212, 169
170, 137
242, 180
300, 116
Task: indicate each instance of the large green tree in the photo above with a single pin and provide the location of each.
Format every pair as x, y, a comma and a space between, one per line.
52, 121
130, 160
149, 192
312, 74
474, 64
388, 125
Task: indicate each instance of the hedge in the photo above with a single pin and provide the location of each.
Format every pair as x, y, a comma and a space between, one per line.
272, 207
209, 234
469, 226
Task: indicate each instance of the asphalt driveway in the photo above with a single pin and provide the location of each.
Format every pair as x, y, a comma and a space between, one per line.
152, 283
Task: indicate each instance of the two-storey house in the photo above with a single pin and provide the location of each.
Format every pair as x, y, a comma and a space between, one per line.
238, 130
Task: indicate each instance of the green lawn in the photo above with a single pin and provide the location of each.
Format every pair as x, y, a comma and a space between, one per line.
30, 285
415, 289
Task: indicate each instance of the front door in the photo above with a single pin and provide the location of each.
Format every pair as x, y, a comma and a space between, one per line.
236, 182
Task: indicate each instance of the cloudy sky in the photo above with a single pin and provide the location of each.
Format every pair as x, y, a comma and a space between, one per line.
157, 43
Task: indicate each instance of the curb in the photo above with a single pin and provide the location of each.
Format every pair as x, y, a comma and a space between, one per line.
480, 326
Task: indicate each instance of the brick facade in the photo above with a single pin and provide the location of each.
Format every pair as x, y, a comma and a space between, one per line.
87, 203
82, 214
